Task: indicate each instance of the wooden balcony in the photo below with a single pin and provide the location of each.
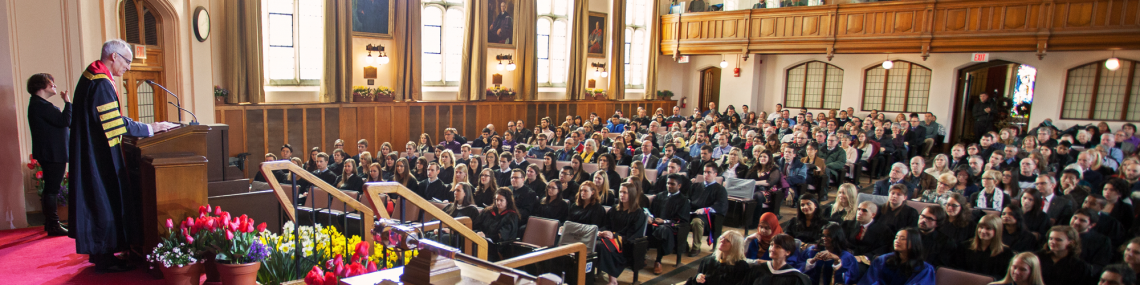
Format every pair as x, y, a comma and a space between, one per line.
909, 26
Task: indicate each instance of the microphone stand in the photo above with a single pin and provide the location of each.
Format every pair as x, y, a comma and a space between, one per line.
178, 105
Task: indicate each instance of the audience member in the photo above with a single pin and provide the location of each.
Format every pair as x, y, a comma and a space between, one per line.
1024, 269
623, 224
1059, 258
498, 224
905, 265
668, 211
985, 254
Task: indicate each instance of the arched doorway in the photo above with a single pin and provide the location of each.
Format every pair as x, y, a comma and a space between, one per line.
709, 88
1010, 83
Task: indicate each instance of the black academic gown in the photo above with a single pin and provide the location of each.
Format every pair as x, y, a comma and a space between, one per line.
499, 228
720, 273
675, 210
626, 227
764, 274
435, 190
593, 214
105, 212
555, 210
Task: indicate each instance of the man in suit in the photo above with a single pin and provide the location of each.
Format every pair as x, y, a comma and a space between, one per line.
667, 211
567, 152
709, 200
673, 166
794, 171
1093, 177
525, 198
1096, 249
914, 137
898, 175
697, 165
49, 144
322, 172
433, 187
867, 237
1059, 207
647, 156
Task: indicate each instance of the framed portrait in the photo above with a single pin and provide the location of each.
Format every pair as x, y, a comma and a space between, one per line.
372, 18
596, 41
501, 25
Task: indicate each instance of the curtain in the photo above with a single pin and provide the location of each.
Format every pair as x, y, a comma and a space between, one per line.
474, 70
526, 53
576, 76
654, 44
616, 65
409, 51
337, 78
243, 35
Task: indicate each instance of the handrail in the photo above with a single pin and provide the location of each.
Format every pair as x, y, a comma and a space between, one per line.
287, 203
551, 253
466, 221
374, 189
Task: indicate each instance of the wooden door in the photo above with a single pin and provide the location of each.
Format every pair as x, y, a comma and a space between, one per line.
142, 101
710, 87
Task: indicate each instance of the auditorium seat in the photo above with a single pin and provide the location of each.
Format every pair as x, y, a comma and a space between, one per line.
919, 206
947, 276
590, 168
651, 174
622, 171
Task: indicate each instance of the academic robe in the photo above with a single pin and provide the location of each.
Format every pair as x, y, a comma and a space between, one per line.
881, 273
105, 212
674, 210
626, 227
719, 273
825, 270
1020, 241
593, 214
764, 274
981, 262
555, 210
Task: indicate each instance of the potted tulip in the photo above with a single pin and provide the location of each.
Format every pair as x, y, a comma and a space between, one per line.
361, 94
239, 251
178, 257
384, 94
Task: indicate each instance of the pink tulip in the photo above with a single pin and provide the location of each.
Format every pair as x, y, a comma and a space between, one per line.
169, 224
39, 175
203, 210
371, 267
229, 235
218, 210
189, 239
315, 276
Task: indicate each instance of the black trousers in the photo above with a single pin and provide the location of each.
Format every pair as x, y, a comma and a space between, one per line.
53, 177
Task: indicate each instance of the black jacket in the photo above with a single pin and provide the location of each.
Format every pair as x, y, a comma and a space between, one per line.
876, 239
525, 201
49, 130
435, 190
712, 196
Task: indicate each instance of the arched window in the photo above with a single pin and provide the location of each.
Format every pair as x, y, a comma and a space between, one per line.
552, 44
903, 88
637, 29
139, 23
814, 84
293, 56
1092, 92
442, 42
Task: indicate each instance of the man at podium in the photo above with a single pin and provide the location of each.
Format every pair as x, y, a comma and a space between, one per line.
98, 190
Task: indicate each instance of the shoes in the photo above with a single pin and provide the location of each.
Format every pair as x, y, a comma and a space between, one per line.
110, 263
694, 251
657, 268
55, 230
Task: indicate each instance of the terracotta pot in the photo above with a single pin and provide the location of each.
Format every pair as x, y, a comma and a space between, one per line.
185, 275
62, 212
239, 274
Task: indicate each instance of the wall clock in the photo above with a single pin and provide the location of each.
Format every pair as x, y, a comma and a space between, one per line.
201, 23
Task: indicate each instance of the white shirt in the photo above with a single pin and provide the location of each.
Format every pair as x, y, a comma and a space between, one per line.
1048, 199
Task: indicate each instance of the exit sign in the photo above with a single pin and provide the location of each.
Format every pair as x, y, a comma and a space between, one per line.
981, 57
140, 51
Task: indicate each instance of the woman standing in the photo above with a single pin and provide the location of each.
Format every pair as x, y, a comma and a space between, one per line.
623, 224
499, 224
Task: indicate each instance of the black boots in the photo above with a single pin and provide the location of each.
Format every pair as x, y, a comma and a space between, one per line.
55, 229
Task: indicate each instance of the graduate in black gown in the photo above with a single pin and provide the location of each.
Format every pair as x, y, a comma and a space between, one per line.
1036, 220
587, 208
622, 225
485, 187
726, 265
348, 179
1028, 271
895, 213
105, 211
462, 206
1014, 234
499, 224
808, 224
552, 206
668, 210
985, 254
777, 271
1059, 258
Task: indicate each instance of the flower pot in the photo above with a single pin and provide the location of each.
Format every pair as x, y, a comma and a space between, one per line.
61, 210
185, 275
382, 98
239, 274
492, 98
218, 100
600, 97
357, 97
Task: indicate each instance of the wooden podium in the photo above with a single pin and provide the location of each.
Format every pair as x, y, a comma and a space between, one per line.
168, 171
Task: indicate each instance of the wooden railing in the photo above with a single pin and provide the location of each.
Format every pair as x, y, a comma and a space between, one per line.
551, 253
374, 189
908, 26
287, 204
261, 129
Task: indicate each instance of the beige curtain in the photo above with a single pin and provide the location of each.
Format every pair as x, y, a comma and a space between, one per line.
616, 66
474, 71
408, 51
337, 80
576, 76
526, 53
243, 35
654, 51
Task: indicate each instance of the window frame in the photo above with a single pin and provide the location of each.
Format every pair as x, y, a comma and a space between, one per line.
633, 28
1096, 90
444, 6
296, 81
823, 93
553, 20
906, 95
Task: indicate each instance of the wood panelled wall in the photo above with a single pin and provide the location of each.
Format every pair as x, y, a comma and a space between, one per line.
909, 26
260, 129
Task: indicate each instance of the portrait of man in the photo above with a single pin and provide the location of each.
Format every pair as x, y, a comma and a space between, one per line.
596, 42
371, 17
502, 26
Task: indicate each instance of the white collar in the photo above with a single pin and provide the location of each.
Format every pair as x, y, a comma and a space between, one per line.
781, 271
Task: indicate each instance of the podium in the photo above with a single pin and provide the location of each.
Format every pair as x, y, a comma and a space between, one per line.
169, 173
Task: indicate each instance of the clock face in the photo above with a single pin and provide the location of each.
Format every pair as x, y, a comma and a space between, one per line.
201, 24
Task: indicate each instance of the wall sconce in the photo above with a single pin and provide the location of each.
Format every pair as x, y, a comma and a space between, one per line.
381, 58
888, 64
510, 66
599, 69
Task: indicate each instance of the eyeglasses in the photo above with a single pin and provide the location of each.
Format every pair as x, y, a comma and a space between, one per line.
128, 59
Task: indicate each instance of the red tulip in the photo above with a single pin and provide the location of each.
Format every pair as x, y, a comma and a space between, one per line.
39, 175
261, 227
330, 279
315, 276
338, 263
210, 224
169, 224
371, 267
354, 269
189, 239
249, 229
203, 210
218, 210
31, 166
35, 162
229, 235
362, 249
31, 156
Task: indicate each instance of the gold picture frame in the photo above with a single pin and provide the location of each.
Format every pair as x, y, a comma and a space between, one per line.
596, 36
373, 28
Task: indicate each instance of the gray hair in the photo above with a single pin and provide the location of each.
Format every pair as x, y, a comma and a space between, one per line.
896, 125
905, 170
111, 47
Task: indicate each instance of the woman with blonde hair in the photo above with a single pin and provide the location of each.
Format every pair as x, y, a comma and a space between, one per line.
990, 197
446, 166
726, 265
844, 208
365, 161
638, 177
589, 151
1024, 269
941, 193
985, 254
461, 172
601, 180
941, 166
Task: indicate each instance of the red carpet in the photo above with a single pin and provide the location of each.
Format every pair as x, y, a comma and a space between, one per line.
29, 256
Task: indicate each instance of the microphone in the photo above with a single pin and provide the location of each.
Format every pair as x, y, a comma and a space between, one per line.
194, 122
178, 105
